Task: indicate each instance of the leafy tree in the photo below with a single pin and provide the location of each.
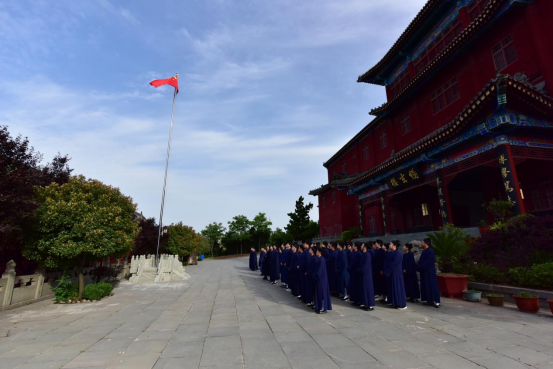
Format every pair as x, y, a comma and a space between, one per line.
80, 222
261, 228
278, 237
146, 241
185, 241
20, 172
214, 233
239, 226
300, 226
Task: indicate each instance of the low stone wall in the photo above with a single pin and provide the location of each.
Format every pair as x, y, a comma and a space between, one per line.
17, 291
509, 291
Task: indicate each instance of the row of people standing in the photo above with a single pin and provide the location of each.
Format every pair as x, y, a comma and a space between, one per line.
360, 273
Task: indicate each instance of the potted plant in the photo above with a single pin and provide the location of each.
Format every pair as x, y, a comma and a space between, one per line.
550, 302
500, 209
527, 303
495, 300
448, 243
483, 227
473, 295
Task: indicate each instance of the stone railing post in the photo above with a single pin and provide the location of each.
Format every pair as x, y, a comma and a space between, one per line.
9, 277
39, 283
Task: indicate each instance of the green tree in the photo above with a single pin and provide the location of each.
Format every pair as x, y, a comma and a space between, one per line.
80, 222
214, 233
278, 237
300, 225
239, 226
185, 241
261, 228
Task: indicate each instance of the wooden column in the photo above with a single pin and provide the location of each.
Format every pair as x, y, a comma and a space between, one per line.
510, 179
443, 198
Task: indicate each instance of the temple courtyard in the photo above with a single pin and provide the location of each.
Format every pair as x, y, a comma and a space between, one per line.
225, 316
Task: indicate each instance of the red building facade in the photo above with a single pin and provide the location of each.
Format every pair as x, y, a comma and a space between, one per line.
468, 119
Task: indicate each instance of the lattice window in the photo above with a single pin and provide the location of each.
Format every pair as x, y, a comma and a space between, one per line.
405, 124
383, 139
445, 95
438, 45
400, 82
372, 224
504, 53
417, 217
366, 152
476, 7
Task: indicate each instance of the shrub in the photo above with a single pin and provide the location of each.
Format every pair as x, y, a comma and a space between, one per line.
539, 275
525, 294
65, 289
106, 273
97, 291
486, 273
448, 243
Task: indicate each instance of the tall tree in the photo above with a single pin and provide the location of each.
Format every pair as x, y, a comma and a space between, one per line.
278, 237
20, 172
240, 227
299, 226
185, 241
214, 233
146, 241
80, 222
262, 228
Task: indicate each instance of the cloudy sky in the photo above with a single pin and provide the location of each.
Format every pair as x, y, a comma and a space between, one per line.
268, 93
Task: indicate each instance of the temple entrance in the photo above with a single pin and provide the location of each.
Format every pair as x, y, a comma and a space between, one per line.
470, 190
415, 210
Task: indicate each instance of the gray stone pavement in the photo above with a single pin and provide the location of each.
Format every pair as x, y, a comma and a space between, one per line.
225, 316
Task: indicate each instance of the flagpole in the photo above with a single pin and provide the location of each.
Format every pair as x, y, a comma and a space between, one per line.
165, 178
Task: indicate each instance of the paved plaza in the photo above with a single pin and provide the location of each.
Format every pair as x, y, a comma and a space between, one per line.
225, 316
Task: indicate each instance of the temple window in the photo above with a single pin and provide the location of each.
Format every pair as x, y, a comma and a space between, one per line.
383, 139
438, 45
405, 124
476, 7
445, 95
366, 152
504, 53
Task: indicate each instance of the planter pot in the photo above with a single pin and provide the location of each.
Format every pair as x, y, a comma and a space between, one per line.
453, 285
550, 302
495, 300
483, 230
528, 304
473, 296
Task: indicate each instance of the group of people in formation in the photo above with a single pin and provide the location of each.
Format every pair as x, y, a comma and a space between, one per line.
361, 273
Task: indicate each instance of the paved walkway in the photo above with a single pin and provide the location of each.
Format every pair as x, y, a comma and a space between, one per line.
225, 316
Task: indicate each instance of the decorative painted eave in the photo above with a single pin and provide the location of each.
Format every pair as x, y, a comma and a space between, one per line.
420, 18
320, 190
497, 90
466, 35
339, 180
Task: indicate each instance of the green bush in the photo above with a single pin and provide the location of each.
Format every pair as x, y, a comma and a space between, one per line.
97, 291
539, 275
65, 289
486, 273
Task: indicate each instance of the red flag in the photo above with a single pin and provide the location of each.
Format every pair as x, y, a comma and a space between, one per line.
173, 81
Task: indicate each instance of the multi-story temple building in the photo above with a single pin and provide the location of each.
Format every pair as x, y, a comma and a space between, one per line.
468, 119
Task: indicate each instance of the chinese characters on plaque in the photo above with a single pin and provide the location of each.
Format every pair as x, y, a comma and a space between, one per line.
383, 201
403, 178
505, 166
444, 211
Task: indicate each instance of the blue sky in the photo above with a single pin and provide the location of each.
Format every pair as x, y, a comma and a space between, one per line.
268, 93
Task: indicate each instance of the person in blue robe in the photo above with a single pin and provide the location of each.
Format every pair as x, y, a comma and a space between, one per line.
267, 262
305, 287
366, 287
261, 260
284, 261
342, 275
294, 282
380, 280
353, 285
311, 268
410, 274
322, 291
394, 274
427, 268
253, 260
331, 268
275, 265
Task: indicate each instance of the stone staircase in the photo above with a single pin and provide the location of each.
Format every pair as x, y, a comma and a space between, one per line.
148, 275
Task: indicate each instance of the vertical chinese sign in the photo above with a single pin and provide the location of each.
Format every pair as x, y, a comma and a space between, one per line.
509, 178
445, 213
384, 220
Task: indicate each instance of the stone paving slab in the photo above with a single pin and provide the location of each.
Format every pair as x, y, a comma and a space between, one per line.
226, 316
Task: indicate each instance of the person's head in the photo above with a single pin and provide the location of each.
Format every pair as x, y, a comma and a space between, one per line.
426, 243
312, 250
305, 245
287, 246
385, 246
294, 248
394, 245
378, 243
407, 247
354, 247
320, 252
340, 247
364, 247
349, 247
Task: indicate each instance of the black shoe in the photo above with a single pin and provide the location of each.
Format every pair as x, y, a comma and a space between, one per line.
367, 308
437, 306
321, 311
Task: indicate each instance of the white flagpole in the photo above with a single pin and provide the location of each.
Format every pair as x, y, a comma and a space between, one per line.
165, 178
